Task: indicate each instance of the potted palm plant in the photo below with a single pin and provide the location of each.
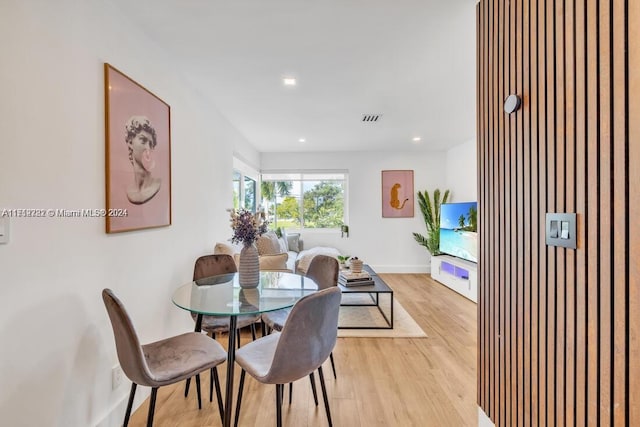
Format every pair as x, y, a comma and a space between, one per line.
431, 214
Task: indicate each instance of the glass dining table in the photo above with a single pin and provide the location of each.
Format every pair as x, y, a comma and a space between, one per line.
222, 296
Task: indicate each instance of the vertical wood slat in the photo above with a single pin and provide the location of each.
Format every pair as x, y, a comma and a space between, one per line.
513, 236
633, 270
535, 288
620, 216
549, 187
526, 211
581, 187
604, 211
495, 388
518, 206
559, 328
494, 214
480, 165
503, 184
485, 266
592, 229
560, 206
570, 206
483, 153
542, 208
499, 209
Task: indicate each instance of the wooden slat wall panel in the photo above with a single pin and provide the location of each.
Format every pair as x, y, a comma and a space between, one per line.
557, 382
620, 171
570, 206
479, 131
591, 217
559, 328
517, 129
581, 187
535, 283
604, 282
633, 206
526, 211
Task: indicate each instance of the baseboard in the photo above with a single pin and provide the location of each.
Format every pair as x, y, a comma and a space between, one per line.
115, 414
483, 419
405, 269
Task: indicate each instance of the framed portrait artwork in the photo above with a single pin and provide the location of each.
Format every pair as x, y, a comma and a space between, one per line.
138, 155
397, 194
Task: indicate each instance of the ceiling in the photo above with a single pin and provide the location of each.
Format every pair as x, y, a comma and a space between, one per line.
412, 61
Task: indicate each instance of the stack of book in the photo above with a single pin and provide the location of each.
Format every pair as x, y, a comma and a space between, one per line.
349, 278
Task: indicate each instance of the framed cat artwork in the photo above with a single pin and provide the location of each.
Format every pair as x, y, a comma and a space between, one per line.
397, 194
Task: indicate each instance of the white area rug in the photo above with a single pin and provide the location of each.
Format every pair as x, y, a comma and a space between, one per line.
403, 324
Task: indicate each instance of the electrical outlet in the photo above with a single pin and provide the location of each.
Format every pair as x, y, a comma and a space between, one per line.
117, 377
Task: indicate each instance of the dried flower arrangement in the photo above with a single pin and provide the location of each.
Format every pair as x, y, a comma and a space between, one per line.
247, 226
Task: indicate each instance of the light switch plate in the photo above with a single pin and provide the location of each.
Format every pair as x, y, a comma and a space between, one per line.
4, 229
560, 230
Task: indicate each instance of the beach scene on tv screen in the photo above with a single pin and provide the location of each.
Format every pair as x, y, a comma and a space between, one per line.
459, 230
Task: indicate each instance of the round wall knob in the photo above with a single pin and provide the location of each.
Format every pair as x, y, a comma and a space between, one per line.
511, 104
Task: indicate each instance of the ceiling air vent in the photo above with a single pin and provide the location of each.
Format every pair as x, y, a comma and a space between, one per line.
371, 117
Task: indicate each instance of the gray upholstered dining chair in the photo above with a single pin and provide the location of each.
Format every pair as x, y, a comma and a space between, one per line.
307, 339
159, 363
324, 271
214, 265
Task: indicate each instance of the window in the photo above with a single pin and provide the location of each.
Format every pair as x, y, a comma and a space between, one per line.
249, 194
313, 200
237, 177
244, 181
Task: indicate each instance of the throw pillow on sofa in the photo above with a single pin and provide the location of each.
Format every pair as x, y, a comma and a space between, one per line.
283, 244
267, 244
228, 249
274, 262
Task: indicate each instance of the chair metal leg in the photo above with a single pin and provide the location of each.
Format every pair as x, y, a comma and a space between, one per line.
130, 404
152, 406
324, 396
198, 391
186, 387
239, 400
279, 388
211, 377
253, 331
186, 390
198, 328
333, 366
290, 392
264, 328
211, 385
216, 381
237, 336
313, 388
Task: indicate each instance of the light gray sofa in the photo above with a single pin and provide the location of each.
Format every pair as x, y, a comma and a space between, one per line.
271, 250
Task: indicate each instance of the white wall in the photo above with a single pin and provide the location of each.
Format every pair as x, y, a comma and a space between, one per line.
57, 345
483, 419
462, 172
385, 243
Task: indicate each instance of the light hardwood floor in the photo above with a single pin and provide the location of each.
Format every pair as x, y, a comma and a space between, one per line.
381, 381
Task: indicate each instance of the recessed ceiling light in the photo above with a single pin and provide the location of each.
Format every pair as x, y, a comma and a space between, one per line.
417, 139
302, 140
289, 81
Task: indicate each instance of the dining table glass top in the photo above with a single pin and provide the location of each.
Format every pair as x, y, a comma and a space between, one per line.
222, 295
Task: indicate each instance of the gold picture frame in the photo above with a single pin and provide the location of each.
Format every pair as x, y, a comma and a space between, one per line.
137, 155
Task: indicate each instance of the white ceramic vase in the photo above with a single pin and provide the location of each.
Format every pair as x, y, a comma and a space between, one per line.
249, 268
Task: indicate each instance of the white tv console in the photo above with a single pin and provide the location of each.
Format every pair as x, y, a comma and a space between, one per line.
457, 274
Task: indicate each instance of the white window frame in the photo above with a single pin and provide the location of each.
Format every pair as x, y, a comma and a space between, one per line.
247, 171
290, 175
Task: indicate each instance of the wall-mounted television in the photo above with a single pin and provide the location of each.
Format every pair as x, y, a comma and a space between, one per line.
459, 230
